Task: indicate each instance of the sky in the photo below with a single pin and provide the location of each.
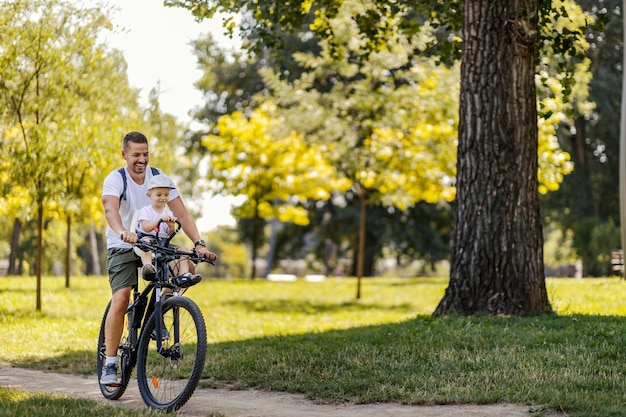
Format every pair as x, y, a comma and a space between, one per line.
155, 42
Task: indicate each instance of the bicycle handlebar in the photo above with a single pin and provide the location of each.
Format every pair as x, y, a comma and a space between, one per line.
161, 245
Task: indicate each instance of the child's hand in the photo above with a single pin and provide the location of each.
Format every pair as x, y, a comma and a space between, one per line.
169, 220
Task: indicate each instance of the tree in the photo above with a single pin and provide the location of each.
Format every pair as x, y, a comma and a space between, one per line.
229, 81
378, 117
274, 173
497, 259
497, 265
57, 84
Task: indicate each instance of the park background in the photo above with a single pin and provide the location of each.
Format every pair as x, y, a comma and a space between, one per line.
257, 133
296, 126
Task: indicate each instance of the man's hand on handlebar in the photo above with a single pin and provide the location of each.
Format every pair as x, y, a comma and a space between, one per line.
204, 252
129, 237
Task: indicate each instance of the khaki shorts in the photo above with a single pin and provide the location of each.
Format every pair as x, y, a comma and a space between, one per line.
122, 265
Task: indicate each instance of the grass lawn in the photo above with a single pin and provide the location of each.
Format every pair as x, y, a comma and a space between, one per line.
316, 339
22, 403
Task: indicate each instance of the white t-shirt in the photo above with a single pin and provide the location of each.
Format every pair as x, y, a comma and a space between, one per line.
136, 198
148, 213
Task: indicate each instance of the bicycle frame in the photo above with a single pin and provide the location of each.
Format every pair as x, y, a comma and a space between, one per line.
169, 359
163, 255
151, 298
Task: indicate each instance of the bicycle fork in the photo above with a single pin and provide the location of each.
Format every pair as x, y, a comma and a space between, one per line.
158, 321
174, 351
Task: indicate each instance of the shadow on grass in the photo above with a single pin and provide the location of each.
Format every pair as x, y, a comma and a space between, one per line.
288, 305
413, 282
556, 361
570, 363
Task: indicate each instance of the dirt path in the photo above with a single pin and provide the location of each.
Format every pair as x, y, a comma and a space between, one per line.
249, 403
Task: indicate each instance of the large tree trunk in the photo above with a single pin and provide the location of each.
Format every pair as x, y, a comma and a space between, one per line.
497, 243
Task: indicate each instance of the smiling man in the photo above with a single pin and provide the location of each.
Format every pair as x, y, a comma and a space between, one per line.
125, 191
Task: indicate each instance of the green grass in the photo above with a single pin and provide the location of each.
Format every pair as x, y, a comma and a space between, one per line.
316, 339
14, 402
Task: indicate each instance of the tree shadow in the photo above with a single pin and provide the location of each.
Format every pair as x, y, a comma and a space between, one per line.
287, 305
551, 360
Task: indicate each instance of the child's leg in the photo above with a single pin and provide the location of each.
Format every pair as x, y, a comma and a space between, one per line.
184, 272
147, 270
184, 264
146, 257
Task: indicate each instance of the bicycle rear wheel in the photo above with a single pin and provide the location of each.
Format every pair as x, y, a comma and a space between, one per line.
168, 379
124, 360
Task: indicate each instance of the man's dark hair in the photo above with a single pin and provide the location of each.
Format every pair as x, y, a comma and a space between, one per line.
135, 137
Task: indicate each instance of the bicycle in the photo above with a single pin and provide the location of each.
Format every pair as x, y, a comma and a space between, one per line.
168, 349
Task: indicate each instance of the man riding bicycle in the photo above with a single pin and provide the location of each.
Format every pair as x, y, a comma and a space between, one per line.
123, 192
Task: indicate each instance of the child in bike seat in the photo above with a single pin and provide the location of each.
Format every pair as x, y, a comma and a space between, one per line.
147, 219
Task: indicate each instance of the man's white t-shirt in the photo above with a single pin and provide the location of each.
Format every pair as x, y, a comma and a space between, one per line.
136, 198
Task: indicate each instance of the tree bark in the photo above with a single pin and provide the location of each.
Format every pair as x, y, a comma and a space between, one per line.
68, 250
363, 197
15, 237
497, 242
95, 254
39, 255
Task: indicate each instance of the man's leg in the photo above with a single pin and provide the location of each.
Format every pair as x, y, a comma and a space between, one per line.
122, 276
114, 325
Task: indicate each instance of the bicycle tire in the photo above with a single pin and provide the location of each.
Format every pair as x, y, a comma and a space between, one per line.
109, 391
167, 383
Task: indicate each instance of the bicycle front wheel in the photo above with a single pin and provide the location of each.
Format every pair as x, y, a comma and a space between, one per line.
169, 378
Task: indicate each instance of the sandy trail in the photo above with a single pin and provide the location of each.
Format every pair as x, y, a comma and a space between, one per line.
248, 403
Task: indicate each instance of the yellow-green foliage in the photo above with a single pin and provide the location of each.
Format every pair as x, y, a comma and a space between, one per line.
274, 172
397, 140
560, 102
65, 98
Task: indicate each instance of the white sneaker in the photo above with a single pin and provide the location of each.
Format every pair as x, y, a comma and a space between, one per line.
109, 375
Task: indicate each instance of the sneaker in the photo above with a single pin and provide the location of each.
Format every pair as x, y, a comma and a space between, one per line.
109, 375
187, 280
165, 335
148, 272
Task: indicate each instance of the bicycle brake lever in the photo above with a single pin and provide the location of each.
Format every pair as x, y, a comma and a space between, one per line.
202, 258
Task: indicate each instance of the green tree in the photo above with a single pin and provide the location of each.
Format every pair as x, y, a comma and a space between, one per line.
229, 81
587, 200
275, 173
379, 118
498, 135
62, 91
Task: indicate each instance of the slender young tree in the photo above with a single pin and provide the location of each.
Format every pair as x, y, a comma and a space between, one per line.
275, 173
61, 92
